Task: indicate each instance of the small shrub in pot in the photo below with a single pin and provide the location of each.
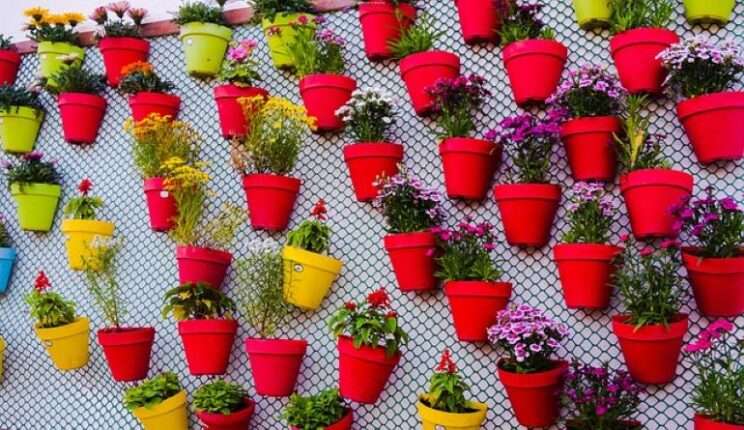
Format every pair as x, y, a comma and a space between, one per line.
35, 186
81, 226
223, 405
56, 36
158, 403
21, 115
148, 93
323, 411
120, 37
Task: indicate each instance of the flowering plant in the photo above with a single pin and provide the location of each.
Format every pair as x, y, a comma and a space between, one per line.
74, 78
100, 273
629, 14
520, 22
637, 148
315, 50
11, 98
418, 37
84, 206
455, 100
48, 308
202, 12
698, 66
197, 302
312, 235
239, 68
140, 77
270, 8
446, 388
590, 214
43, 26
5, 239
589, 91
121, 26
156, 139
408, 205
466, 252
371, 323
32, 169
368, 114
528, 336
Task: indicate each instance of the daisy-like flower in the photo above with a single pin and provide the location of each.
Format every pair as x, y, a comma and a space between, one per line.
37, 13
137, 14
120, 8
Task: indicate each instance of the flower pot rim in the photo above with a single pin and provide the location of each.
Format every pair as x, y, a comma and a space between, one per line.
661, 175
255, 345
710, 102
416, 239
653, 332
51, 47
36, 188
271, 180
534, 46
319, 261
208, 325
80, 325
20, 111
707, 419
125, 336
469, 145
372, 354
368, 149
228, 90
641, 35
458, 420
10, 55
90, 99
426, 58
376, 7
8, 253
711, 265
590, 124
129, 43
154, 183
100, 227
198, 28
168, 405
237, 417
287, 18
156, 98
490, 289
586, 251
190, 252
518, 191
534, 379
327, 80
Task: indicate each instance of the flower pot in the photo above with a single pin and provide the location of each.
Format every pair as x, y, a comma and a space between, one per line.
650, 195
433, 419
119, 52
702, 11
381, 25
67, 345
170, 414
591, 14
127, 351
2, 357
343, 424
534, 68
7, 261
37, 204
413, 260
204, 46
81, 115
50, 58
715, 125
202, 265
270, 200
308, 277
617, 425
19, 128
323, 94
479, 20
718, 283
635, 51
275, 364
368, 161
534, 396
474, 305
469, 165
363, 372
704, 423
422, 70
238, 420
527, 211
79, 234
145, 103
161, 206
280, 34
590, 146
10, 61
651, 352
232, 121
207, 344
585, 271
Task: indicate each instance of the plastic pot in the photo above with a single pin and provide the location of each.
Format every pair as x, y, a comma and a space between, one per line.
702, 422
343, 424
119, 52
703, 11
19, 128
308, 277
37, 204
146, 103
635, 51
170, 414
585, 271
469, 165
81, 115
207, 344
422, 70
275, 364
202, 265
433, 419
590, 146
715, 125
127, 351
67, 345
270, 200
717, 283
2, 357
413, 260
650, 195
79, 234
591, 14
479, 20
232, 121
238, 420
323, 94
7, 261
534, 396
161, 206
368, 161
534, 68
474, 305
10, 61
280, 34
50, 58
527, 211
381, 25
651, 352
363, 372
204, 47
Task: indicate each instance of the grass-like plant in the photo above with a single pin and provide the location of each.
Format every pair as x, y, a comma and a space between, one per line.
74, 78
636, 147
11, 98
521, 22
629, 14
408, 205
6, 42
419, 37
220, 397
140, 77
269, 9
48, 308
315, 50
100, 273
152, 392
590, 213
455, 103
466, 252
128, 22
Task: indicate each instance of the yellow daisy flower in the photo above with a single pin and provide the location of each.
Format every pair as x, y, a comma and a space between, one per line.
55, 19
74, 18
37, 13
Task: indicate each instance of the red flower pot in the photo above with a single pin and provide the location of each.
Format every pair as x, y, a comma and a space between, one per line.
590, 146
412, 257
650, 195
342, 424
635, 51
585, 271
275, 364
381, 25
363, 372
469, 165
202, 265
207, 344
527, 211
127, 351
270, 199
704, 423
10, 61
534, 68
534, 396
715, 125
145, 103
474, 306
119, 52
479, 20
718, 283
422, 70
161, 205
651, 352
323, 94
232, 121
238, 420
81, 115
368, 161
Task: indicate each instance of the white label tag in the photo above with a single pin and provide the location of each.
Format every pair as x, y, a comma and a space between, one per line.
164, 194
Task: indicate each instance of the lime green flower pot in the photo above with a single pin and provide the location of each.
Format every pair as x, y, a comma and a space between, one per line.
37, 204
280, 34
592, 14
706, 11
204, 45
50, 54
19, 127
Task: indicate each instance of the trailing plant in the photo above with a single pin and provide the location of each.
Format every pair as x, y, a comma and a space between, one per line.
100, 273
268, 9
73, 78
6, 42
312, 235
5, 239
11, 98
140, 77
84, 206
239, 68
466, 252
197, 302
589, 91
314, 412
629, 14
521, 22
419, 37
157, 139
446, 388
128, 22
636, 147
31, 169
455, 100
368, 114
200, 11
220, 397
590, 214
43, 26
315, 50
407, 204
48, 308
152, 392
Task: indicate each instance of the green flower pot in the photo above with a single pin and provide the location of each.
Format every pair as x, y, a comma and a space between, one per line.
37, 204
280, 34
49, 57
705, 11
19, 127
592, 14
204, 45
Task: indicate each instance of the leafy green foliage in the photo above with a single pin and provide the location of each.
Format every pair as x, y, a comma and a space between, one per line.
74, 78
311, 235
466, 253
590, 214
268, 9
220, 397
314, 412
32, 170
56, 33
5, 239
239, 68
100, 272
202, 12
521, 22
368, 114
407, 205
121, 29
83, 206
6, 42
315, 51
48, 308
11, 98
630, 14
197, 302
636, 147
261, 289
152, 391
446, 388
455, 101
140, 77
418, 37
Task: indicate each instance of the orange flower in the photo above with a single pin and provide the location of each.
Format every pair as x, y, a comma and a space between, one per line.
137, 67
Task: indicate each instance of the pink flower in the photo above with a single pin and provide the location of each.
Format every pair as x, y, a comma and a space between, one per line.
646, 251
119, 8
701, 345
99, 15
137, 14
718, 328
625, 237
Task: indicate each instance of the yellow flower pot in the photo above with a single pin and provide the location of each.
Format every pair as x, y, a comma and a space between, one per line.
80, 233
308, 277
170, 414
433, 419
2, 357
67, 346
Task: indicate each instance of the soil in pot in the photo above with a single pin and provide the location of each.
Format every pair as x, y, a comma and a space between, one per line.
534, 396
207, 344
119, 52
413, 260
585, 271
202, 265
308, 277
81, 115
127, 351
161, 206
422, 70
368, 161
232, 121
527, 211
534, 68
270, 199
19, 128
474, 305
363, 372
715, 125
590, 146
170, 414
275, 364
381, 24
717, 283
634, 52
238, 420
323, 95
67, 345
469, 165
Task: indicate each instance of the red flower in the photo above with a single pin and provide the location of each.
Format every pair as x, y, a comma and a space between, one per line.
85, 186
41, 283
350, 306
319, 210
379, 299
645, 252
446, 364
625, 237
302, 20
391, 314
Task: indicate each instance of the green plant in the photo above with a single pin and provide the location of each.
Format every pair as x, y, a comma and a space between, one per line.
268, 9
100, 272
446, 388
630, 14
590, 214
418, 37
73, 78
239, 68
312, 235
368, 114
407, 205
43, 26
589, 91
202, 12
6, 42
120, 27
48, 308
315, 50
636, 147
11, 98
5, 239
314, 412
197, 302
455, 99
220, 397
466, 252
32, 169
521, 22
140, 77
157, 139
152, 391
85, 206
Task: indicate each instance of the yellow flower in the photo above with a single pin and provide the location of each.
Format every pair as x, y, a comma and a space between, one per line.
181, 175
36, 13
55, 19
73, 18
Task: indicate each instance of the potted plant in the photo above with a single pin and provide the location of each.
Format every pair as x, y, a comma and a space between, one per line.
204, 35
703, 72
56, 37
222, 405
159, 403
592, 14
276, 17
120, 39
147, 92
444, 405
592, 101
368, 115
323, 411
308, 269
21, 114
80, 226
410, 210
528, 205
34, 185
651, 330
7, 256
584, 258
206, 325
715, 263
702, 12
3, 345
369, 342
479, 20
531, 376
639, 36
63, 333
10, 61
382, 22
650, 188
